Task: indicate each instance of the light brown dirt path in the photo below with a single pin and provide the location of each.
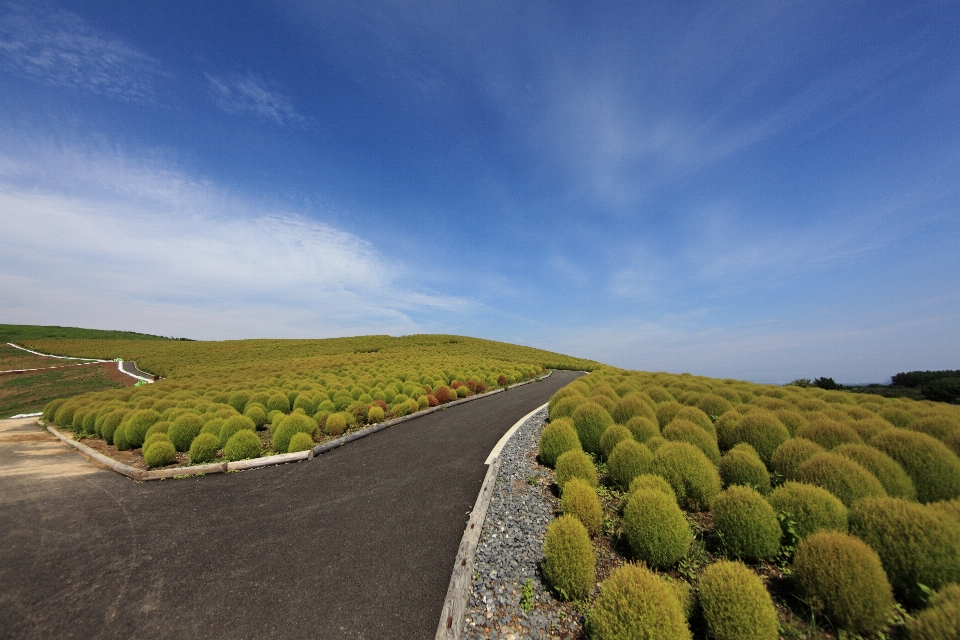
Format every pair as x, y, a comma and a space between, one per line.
28, 452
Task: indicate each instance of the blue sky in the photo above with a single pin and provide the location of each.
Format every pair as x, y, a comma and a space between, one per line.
762, 190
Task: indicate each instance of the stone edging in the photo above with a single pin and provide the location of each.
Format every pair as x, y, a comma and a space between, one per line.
267, 461
458, 592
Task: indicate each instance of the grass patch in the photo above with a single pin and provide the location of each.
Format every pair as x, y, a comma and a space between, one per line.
29, 392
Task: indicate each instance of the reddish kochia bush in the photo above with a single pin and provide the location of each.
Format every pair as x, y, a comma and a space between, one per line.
432, 400
476, 387
443, 394
502, 380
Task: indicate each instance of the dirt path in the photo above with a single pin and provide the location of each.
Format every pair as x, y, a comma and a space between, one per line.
358, 543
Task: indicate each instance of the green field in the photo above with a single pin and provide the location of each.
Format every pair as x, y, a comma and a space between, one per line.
30, 392
277, 388
19, 332
763, 511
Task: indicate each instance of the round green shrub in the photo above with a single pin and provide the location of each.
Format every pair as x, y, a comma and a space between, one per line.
89, 423
376, 414
940, 427
788, 457
569, 562
557, 438
934, 469
916, 544
136, 426
654, 443
761, 430
658, 394
238, 400
810, 508
634, 603
336, 424
697, 417
792, 420
242, 445
867, 429
714, 406
157, 427
604, 401
233, 425
746, 523
154, 437
590, 421
829, 434
120, 439
952, 442
691, 474
667, 411
628, 460
278, 402
840, 476
63, 417
651, 481
950, 508
111, 422
940, 620
204, 448
160, 453
655, 528
185, 428
898, 417
575, 464
642, 428
736, 604
726, 426
212, 426
580, 501
629, 407
611, 437
682, 430
843, 578
565, 407
294, 423
256, 412
891, 475
743, 467
50, 409
299, 442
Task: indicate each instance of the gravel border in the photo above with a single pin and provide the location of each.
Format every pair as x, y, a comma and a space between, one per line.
509, 550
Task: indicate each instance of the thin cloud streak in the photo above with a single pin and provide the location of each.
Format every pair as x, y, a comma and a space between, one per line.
249, 94
58, 48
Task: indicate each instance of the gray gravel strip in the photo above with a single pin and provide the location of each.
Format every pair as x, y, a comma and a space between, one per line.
509, 550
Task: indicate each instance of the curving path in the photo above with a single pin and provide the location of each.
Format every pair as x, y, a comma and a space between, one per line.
358, 543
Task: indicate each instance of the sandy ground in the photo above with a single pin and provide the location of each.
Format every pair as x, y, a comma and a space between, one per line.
26, 449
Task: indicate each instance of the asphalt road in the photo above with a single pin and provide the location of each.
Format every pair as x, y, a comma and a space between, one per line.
358, 543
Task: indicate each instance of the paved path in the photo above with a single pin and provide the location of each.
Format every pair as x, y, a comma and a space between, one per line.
356, 544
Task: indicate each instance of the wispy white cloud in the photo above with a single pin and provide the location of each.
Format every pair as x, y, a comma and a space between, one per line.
87, 231
58, 48
249, 93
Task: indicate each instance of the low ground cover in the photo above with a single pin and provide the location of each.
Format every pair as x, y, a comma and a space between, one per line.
29, 392
757, 531
256, 395
12, 359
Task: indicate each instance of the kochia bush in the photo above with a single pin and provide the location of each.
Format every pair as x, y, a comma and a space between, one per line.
761, 430
628, 460
233, 425
741, 465
591, 420
160, 453
242, 445
299, 442
843, 578
642, 428
691, 474
829, 434
655, 528
204, 448
184, 429
840, 476
891, 475
569, 560
575, 464
611, 437
746, 523
810, 508
294, 423
580, 501
651, 481
934, 469
941, 619
736, 604
557, 438
136, 426
635, 603
682, 430
788, 457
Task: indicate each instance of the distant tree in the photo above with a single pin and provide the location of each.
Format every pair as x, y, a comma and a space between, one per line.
826, 383
942, 390
800, 382
915, 379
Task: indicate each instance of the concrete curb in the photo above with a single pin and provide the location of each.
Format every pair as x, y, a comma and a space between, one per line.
265, 461
455, 603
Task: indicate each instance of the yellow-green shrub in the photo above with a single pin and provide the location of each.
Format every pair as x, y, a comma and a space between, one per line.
635, 603
829, 434
294, 423
761, 430
591, 420
897, 417
691, 474
628, 460
916, 544
891, 475
746, 524
564, 407
580, 500
569, 562
575, 464
204, 448
299, 442
336, 424
941, 619
840, 476
655, 528
557, 438
843, 578
667, 411
741, 465
278, 402
256, 412
136, 425
788, 457
642, 428
242, 445
934, 469
651, 481
611, 437
735, 603
160, 452
233, 425
630, 406
714, 406
375, 414
940, 427
682, 430
184, 429
810, 508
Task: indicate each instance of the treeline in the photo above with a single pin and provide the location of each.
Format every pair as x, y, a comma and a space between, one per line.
940, 386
